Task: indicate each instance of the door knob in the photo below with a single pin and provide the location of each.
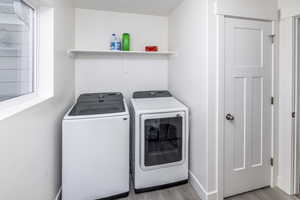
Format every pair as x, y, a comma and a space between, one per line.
229, 117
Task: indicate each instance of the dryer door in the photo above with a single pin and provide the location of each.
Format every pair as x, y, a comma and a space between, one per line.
163, 139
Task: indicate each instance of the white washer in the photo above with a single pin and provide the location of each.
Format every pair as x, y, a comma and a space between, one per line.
95, 148
160, 135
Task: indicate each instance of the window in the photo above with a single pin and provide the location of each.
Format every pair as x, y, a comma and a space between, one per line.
17, 49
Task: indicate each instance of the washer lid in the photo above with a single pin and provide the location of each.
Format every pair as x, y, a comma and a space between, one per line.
94, 97
96, 109
151, 94
97, 104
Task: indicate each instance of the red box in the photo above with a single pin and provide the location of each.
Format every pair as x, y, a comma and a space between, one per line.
151, 48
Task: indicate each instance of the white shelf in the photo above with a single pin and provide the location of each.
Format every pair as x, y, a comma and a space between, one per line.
75, 52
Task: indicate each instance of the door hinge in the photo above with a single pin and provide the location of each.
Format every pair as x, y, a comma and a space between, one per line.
272, 100
293, 114
272, 37
272, 162
279, 14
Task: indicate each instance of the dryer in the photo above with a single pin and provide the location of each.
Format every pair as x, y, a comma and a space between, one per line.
160, 135
95, 148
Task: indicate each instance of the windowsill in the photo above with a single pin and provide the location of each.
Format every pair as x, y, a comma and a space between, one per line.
16, 105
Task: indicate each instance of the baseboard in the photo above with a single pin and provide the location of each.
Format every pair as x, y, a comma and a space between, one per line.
58, 195
285, 185
204, 195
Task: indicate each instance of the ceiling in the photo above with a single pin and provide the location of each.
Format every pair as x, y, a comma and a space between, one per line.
147, 7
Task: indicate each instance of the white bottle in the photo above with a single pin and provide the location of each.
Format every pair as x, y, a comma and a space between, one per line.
115, 44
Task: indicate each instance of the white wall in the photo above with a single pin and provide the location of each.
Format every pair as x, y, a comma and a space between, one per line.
30, 142
259, 9
95, 73
212, 115
94, 29
285, 107
289, 8
285, 179
197, 63
191, 80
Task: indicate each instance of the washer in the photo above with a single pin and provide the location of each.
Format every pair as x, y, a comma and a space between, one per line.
95, 152
160, 135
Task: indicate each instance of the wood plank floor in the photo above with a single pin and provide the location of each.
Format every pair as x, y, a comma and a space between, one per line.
264, 194
183, 192
186, 192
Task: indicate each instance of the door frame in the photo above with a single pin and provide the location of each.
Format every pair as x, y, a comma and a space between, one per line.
296, 88
221, 99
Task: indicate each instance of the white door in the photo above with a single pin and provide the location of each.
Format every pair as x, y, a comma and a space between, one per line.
248, 69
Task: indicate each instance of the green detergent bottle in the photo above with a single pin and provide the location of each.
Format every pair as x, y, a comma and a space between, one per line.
126, 42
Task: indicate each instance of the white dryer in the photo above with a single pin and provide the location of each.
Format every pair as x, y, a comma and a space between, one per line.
160, 135
95, 148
